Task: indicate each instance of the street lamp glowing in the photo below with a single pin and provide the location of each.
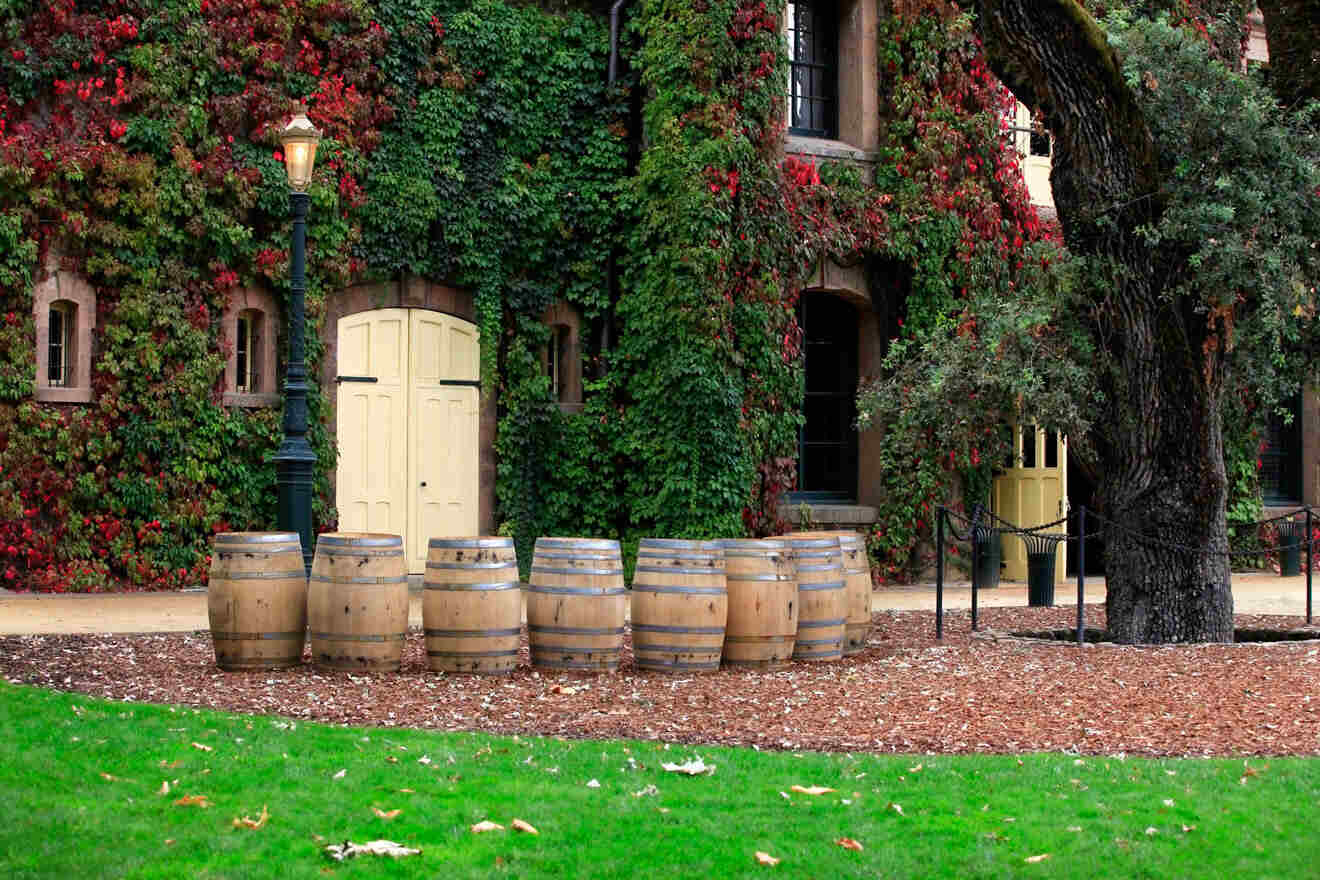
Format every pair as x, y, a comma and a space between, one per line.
300, 138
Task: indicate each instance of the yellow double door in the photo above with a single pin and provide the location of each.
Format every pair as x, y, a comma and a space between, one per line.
407, 426
1032, 492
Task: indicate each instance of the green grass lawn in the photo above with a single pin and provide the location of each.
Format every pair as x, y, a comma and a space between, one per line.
81, 781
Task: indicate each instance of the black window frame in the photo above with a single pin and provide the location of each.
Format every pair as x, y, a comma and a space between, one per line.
813, 61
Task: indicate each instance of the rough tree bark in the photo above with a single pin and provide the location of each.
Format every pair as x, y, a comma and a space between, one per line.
1158, 444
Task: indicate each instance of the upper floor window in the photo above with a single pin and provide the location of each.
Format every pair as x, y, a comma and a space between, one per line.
813, 68
1028, 137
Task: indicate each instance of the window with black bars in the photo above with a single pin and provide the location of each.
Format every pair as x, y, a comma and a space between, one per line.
57, 364
813, 69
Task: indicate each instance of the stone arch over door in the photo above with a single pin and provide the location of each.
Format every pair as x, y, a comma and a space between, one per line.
842, 301
419, 341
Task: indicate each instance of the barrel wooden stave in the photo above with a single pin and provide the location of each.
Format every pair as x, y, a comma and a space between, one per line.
357, 601
761, 579
472, 605
680, 605
256, 600
576, 604
857, 586
823, 614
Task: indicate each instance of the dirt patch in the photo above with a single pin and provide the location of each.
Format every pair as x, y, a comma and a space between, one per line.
905, 693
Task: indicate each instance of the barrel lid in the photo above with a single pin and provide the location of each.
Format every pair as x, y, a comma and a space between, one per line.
578, 543
462, 543
359, 539
812, 541
844, 536
753, 543
256, 537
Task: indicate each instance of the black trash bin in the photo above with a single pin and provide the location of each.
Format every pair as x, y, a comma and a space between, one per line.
988, 554
1290, 548
1040, 568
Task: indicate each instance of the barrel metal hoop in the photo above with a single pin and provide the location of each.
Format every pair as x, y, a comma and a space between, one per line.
824, 585
695, 630
223, 635
466, 543
650, 663
730, 578
299, 573
345, 637
760, 640
381, 581
257, 538
579, 543
607, 572
670, 569
696, 591
506, 563
462, 654
577, 591
495, 586
810, 624
361, 541
576, 630
472, 633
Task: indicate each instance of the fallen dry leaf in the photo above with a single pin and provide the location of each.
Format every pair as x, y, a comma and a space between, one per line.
202, 747
391, 759
849, 843
385, 814
341, 774
649, 791
1040, 858
593, 783
171, 765
916, 769
766, 859
1073, 828
812, 790
193, 800
1151, 831
406, 791
169, 841
348, 849
108, 778
486, 825
1187, 828
249, 822
692, 767
897, 808
164, 787
520, 825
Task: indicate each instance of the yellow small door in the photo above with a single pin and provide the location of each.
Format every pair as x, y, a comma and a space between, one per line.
444, 392
407, 426
1032, 492
372, 422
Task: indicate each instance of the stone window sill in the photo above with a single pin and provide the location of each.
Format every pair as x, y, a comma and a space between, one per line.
62, 395
252, 400
823, 148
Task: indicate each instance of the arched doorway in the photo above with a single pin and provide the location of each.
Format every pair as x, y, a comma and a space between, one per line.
407, 426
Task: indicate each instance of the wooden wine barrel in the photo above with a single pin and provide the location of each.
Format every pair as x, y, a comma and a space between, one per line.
823, 616
761, 578
257, 600
357, 601
856, 584
472, 605
679, 605
576, 604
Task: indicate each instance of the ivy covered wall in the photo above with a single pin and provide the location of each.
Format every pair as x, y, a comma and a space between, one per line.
476, 144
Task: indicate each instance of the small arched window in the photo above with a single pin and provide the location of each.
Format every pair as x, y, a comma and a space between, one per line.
247, 326
64, 308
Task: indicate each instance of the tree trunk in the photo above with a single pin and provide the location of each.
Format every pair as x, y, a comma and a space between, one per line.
1158, 442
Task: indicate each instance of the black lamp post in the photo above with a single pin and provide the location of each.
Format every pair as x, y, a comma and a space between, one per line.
295, 463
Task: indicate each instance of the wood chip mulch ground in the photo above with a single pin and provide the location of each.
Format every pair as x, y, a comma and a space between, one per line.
906, 692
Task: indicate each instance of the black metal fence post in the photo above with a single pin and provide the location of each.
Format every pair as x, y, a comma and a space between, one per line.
939, 573
976, 566
1081, 575
1310, 543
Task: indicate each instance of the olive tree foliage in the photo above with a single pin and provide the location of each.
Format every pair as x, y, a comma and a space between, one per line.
1188, 198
